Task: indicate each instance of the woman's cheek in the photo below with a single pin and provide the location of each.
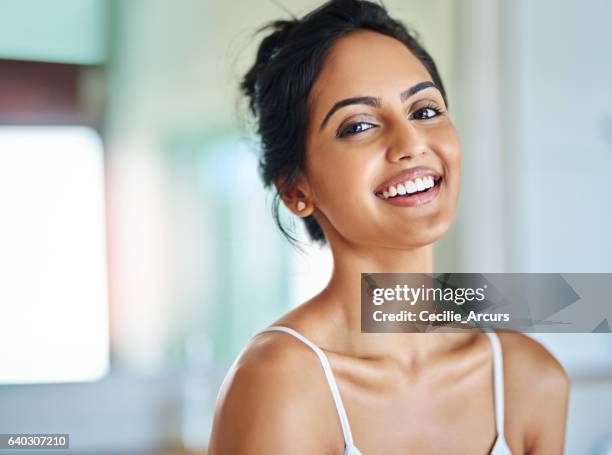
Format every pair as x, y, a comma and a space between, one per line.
450, 151
338, 186
449, 145
328, 180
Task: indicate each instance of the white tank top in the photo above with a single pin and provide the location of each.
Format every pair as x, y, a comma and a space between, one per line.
500, 447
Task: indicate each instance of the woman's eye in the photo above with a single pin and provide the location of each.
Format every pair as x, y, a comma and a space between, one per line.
424, 113
427, 113
355, 128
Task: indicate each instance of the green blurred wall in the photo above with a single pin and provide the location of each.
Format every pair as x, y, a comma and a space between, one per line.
67, 31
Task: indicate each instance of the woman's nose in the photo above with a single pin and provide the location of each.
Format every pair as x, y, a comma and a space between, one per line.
406, 141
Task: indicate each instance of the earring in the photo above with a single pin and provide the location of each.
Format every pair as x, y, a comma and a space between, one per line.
301, 206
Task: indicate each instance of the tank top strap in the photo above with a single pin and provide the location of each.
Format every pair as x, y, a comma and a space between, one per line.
329, 375
498, 381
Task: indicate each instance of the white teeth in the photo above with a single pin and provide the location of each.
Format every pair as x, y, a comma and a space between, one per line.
410, 187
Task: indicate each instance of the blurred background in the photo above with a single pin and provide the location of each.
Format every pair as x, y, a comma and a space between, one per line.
137, 250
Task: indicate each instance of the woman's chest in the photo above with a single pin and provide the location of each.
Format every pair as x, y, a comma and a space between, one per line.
434, 415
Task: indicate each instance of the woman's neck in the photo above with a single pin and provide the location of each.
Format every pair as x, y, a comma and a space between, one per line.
349, 263
342, 299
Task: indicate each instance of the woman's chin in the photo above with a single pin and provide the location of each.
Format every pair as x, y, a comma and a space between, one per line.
418, 238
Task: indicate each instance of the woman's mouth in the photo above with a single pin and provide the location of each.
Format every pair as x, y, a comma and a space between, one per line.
412, 193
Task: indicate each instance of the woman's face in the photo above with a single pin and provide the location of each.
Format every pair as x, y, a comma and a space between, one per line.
384, 131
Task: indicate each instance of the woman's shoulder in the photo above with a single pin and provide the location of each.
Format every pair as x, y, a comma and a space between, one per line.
274, 395
274, 363
525, 357
536, 390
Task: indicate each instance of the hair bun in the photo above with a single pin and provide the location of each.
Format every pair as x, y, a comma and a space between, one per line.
272, 43
268, 49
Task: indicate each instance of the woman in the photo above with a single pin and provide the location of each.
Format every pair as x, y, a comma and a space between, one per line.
357, 140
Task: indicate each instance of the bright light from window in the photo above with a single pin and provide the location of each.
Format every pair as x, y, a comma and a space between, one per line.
53, 283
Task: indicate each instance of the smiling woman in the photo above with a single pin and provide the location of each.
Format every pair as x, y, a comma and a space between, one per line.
357, 141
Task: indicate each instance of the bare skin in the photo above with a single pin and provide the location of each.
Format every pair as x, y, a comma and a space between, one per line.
403, 393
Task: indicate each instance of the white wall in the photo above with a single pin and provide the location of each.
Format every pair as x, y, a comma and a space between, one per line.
536, 125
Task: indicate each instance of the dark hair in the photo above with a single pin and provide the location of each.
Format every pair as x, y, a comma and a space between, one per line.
288, 63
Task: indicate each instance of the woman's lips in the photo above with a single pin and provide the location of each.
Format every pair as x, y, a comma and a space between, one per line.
415, 199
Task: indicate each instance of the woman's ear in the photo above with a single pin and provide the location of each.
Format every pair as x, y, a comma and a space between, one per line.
297, 196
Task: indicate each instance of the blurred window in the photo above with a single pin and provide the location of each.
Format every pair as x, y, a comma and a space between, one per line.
53, 270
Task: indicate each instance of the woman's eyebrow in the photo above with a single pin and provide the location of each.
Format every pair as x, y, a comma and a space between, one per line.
375, 102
